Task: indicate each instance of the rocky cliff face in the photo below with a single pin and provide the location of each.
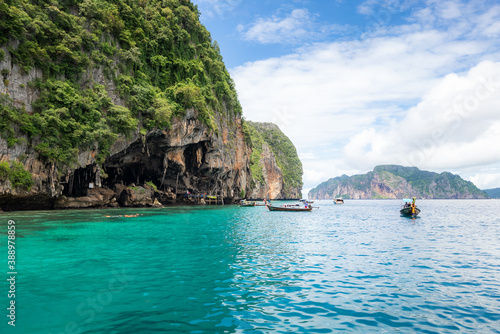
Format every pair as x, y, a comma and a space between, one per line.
272, 188
380, 186
97, 111
188, 157
276, 169
391, 181
161, 165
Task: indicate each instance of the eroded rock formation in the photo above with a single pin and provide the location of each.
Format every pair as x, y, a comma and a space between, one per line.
93, 115
277, 171
162, 165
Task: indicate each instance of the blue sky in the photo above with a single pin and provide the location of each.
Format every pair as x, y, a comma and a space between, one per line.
355, 84
236, 25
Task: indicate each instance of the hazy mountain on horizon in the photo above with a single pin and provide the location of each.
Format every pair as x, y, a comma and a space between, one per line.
394, 181
493, 193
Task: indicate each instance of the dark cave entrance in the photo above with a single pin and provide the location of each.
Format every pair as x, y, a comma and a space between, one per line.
80, 181
136, 173
179, 170
194, 157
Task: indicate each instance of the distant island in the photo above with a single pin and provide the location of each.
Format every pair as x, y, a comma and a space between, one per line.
394, 181
493, 193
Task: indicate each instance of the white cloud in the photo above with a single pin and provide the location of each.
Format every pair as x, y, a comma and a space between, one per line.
379, 8
450, 9
297, 27
335, 89
374, 99
454, 125
486, 180
291, 29
307, 156
312, 176
216, 7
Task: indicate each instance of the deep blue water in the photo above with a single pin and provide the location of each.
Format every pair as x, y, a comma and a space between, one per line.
357, 267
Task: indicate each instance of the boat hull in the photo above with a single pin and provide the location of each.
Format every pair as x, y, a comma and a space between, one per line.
407, 212
281, 208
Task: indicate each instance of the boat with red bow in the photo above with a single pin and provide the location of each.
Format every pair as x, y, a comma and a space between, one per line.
290, 207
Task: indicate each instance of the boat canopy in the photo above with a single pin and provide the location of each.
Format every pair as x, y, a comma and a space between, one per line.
407, 200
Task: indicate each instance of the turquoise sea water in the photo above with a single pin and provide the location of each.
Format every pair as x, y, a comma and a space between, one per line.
358, 268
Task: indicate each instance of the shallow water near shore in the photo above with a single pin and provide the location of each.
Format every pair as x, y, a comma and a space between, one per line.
357, 267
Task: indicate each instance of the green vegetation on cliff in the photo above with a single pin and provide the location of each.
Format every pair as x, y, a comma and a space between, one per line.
254, 138
17, 175
156, 53
493, 193
282, 148
393, 181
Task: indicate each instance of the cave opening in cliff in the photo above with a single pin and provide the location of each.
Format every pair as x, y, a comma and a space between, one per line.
176, 169
78, 182
130, 174
194, 157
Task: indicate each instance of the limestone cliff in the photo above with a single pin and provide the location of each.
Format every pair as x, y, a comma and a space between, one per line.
276, 168
98, 108
392, 181
186, 158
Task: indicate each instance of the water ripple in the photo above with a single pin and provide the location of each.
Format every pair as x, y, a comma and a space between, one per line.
356, 268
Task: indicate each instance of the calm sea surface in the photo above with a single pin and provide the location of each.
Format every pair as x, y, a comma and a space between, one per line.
358, 268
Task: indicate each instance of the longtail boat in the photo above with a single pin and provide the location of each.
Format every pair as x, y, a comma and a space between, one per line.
409, 208
289, 208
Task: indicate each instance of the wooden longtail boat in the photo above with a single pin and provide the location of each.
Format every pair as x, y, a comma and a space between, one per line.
407, 212
406, 208
288, 208
245, 203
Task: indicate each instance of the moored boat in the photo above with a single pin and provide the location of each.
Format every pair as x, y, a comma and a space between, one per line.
306, 201
263, 203
247, 203
338, 200
294, 208
409, 208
